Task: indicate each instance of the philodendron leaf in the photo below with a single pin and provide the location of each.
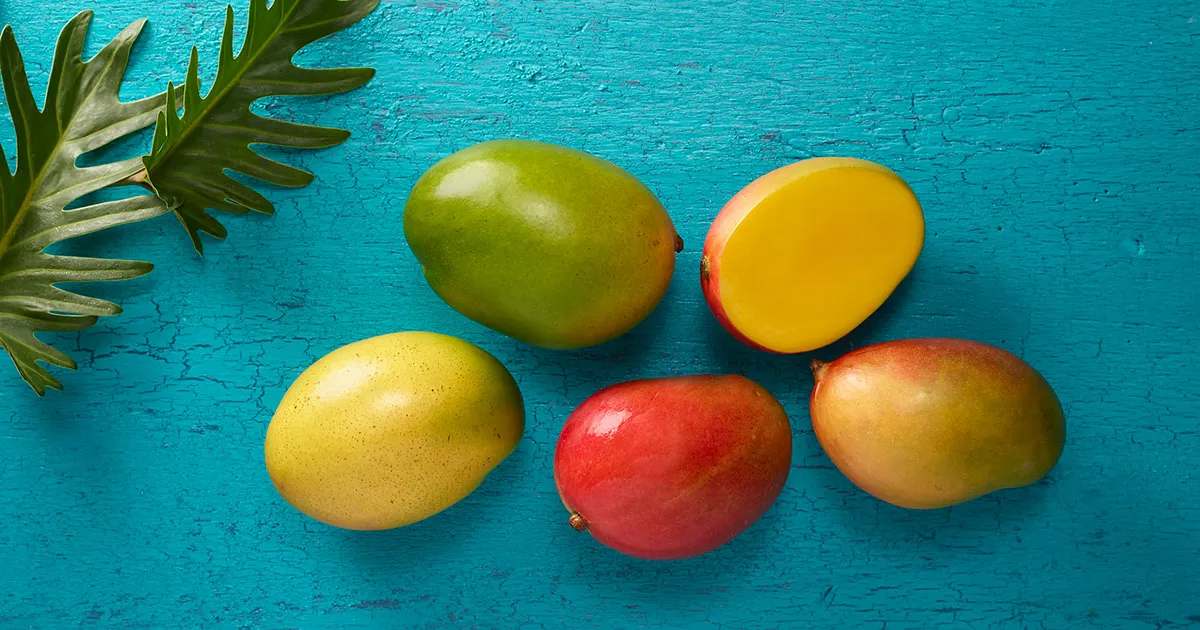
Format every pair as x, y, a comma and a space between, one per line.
192, 152
82, 113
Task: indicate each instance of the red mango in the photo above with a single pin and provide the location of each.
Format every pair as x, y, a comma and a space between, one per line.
673, 467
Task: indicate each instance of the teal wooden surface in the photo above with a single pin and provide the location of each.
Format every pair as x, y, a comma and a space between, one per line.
1055, 146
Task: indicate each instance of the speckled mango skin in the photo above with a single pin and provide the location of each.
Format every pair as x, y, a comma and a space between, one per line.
390, 430
929, 423
548, 245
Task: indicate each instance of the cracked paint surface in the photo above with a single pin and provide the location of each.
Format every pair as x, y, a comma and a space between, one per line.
1056, 152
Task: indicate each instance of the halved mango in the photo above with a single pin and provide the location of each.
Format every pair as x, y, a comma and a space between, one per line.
806, 253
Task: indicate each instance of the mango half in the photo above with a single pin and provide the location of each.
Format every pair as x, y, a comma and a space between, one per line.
806, 253
549, 245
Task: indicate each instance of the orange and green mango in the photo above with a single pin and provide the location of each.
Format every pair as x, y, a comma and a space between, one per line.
928, 423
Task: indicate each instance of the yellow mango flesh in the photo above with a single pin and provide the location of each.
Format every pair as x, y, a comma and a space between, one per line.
822, 245
391, 430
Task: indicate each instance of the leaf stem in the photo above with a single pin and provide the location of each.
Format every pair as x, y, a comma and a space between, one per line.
140, 178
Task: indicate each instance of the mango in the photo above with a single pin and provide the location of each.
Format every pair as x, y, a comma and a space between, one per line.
929, 423
807, 252
549, 245
670, 468
391, 430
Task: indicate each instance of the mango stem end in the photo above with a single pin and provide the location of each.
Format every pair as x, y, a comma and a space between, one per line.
818, 369
577, 522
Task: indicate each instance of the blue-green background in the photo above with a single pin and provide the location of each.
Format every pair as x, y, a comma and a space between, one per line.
1054, 145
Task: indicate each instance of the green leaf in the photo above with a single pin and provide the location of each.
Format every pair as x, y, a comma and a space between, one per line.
82, 113
192, 152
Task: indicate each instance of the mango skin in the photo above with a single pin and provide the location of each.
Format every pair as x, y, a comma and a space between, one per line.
671, 468
551, 246
391, 430
929, 423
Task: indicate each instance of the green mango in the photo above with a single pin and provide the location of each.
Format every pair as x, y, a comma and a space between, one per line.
549, 245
